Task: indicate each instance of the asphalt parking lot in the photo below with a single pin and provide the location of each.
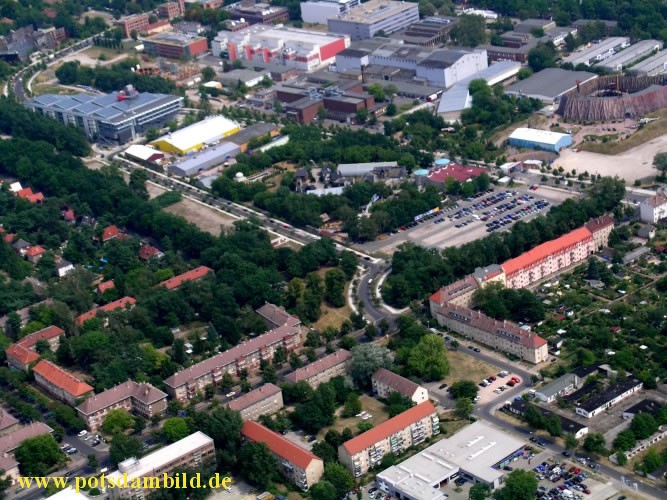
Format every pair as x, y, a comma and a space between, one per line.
471, 219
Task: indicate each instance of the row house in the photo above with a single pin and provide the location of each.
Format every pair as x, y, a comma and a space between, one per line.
20, 355
120, 304
187, 383
140, 398
410, 428
190, 276
318, 372
60, 383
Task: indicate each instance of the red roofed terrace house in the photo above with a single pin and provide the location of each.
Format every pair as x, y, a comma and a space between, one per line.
142, 399
318, 372
410, 428
385, 382
451, 305
299, 466
110, 233
60, 383
187, 383
193, 275
265, 400
124, 303
22, 353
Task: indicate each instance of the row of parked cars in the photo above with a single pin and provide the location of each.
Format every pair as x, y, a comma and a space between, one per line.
515, 216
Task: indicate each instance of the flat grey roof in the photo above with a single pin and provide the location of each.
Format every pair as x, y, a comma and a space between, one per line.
596, 49
549, 83
556, 386
474, 449
653, 62
631, 54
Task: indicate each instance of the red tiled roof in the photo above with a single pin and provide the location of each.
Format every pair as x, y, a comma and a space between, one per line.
69, 215
456, 171
36, 198
111, 306
110, 232
192, 275
24, 193
147, 252
143, 392
546, 249
107, 285
44, 334
394, 381
61, 379
35, 251
278, 445
595, 225
323, 364
21, 354
50, 13
391, 426
9, 237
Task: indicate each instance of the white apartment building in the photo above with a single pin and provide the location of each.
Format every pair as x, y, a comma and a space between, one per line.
654, 208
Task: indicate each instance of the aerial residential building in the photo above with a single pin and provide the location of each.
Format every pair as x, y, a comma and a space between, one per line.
8, 423
9, 467
319, 11
301, 49
407, 429
324, 369
259, 13
64, 267
22, 353
110, 233
171, 10
136, 23
275, 316
265, 400
654, 209
190, 276
500, 335
119, 117
60, 383
175, 45
367, 19
385, 382
187, 383
191, 452
478, 451
299, 466
140, 398
124, 303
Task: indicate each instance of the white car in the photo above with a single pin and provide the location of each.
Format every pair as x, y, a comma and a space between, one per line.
82, 433
230, 394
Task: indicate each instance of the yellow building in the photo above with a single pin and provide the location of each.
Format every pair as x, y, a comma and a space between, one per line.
197, 135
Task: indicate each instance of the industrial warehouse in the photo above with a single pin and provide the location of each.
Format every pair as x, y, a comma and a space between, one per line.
196, 136
539, 139
478, 452
118, 117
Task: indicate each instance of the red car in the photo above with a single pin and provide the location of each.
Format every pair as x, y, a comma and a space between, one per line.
516, 380
588, 492
492, 378
511, 383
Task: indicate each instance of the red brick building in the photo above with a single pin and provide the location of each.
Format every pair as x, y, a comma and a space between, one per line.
137, 22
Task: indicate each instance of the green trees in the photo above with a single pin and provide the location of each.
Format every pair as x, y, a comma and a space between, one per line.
519, 485
464, 389
207, 74
470, 31
37, 455
339, 477
175, 429
660, 163
323, 490
595, 443
376, 90
428, 359
464, 408
643, 425
571, 441
542, 56
259, 464
67, 72
367, 358
479, 491
334, 286
352, 405
503, 303
123, 447
118, 420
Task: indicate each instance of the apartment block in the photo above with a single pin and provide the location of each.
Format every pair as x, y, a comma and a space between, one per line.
654, 209
265, 400
407, 429
137, 22
186, 383
318, 372
142, 399
385, 382
22, 353
171, 10
299, 466
60, 383
188, 453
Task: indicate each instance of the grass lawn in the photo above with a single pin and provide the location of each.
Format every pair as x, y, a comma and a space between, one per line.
51, 89
372, 406
332, 316
466, 367
646, 133
94, 52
